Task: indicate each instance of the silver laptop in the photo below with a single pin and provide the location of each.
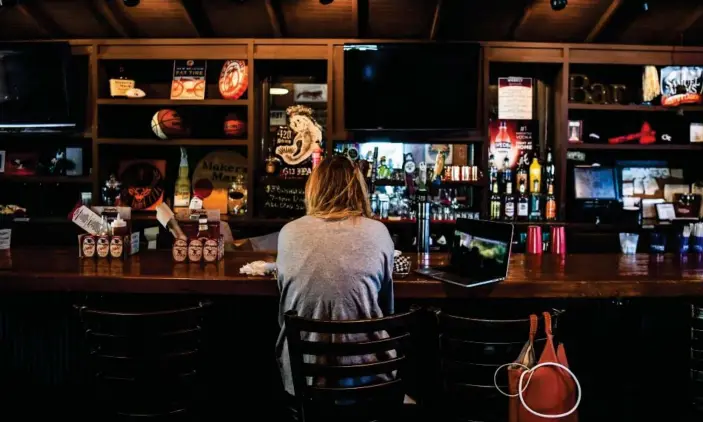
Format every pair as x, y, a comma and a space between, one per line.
479, 254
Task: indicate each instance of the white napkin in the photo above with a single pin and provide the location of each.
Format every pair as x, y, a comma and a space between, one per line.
258, 268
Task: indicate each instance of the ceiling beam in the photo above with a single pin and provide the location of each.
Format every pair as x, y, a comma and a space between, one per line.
687, 23
603, 21
520, 20
197, 17
40, 19
435, 20
273, 9
107, 16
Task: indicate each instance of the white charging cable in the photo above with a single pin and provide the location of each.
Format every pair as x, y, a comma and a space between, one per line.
521, 388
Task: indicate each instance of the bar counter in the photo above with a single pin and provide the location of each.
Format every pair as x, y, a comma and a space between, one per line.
530, 276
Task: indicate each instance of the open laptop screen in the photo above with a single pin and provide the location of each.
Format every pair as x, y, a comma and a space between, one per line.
481, 248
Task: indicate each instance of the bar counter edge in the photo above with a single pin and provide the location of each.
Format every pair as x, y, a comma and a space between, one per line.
530, 276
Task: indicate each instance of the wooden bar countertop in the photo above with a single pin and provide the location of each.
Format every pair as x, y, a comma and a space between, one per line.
530, 276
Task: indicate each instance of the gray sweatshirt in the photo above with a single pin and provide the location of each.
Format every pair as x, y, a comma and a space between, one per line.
333, 270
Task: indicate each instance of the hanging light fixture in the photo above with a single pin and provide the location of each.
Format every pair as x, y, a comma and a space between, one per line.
131, 3
278, 91
326, 2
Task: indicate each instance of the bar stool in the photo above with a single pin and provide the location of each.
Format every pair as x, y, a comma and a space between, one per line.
324, 385
144, 361
470, 351
697, 360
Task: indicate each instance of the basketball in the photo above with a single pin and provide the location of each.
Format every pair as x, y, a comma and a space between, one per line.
234, 126
168, 124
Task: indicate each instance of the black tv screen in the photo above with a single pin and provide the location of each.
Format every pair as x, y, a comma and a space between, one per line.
408, 86
35, 87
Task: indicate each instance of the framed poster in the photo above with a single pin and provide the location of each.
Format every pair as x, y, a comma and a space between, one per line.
2, 161
509, 138
515, 98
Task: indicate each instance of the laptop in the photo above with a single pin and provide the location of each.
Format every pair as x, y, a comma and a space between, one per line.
479, 254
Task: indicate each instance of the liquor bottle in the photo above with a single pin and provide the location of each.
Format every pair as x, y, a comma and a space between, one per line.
182, 187
522, 203
271, 163
550, 206
507, 171
535, 206
492, 169
495, 203
521, 174
121, 84
535, 175
549, 169
316, 156
509, 202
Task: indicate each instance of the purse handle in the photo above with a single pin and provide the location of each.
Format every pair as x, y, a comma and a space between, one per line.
534, 322
542, 415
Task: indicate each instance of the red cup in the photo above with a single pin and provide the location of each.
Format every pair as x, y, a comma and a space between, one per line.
558, 237
534, 240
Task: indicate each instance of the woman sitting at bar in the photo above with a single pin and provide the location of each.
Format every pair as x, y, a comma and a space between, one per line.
335, 263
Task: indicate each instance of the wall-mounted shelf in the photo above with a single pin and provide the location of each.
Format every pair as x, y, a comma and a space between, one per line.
638, 147
168, 102
46, 179
172, 142
631, 107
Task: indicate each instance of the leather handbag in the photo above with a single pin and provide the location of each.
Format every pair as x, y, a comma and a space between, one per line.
547, 390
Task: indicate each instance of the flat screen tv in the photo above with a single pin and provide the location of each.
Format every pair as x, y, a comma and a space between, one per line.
410, 86
35, 88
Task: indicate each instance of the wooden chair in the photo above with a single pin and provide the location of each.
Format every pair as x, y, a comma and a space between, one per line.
470, 350
380, 399
145, 362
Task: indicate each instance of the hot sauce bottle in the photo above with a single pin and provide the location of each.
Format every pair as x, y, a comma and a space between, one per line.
102, 247
195, 246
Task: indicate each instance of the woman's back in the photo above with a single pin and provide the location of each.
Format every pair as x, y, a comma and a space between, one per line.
333, 270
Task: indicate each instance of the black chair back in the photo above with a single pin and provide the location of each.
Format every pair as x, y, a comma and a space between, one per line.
350, 365
470, 352
145, 361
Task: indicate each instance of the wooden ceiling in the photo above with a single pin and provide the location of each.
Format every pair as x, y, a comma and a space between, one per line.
677, 22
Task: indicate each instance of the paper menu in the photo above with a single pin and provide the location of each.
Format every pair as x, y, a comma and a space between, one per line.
515, 98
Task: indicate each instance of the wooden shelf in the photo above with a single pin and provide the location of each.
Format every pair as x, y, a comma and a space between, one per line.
168, 102
638, 147
173, 142
630, 107
46, 179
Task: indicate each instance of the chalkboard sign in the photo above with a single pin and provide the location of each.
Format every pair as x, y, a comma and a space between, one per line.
279, 198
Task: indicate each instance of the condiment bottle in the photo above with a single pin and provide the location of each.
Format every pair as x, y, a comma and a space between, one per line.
102, 247
119, 227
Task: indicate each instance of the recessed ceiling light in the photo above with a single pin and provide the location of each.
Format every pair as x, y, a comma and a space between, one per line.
558, 4
278, 91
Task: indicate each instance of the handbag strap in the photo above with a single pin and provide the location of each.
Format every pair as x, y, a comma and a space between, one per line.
548, 324
534, 323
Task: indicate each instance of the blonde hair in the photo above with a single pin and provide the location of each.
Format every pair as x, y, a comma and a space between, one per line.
336, 189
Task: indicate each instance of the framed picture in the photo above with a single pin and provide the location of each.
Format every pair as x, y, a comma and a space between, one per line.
575, 131
2, 161
696, 132
665, 211
310, 93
